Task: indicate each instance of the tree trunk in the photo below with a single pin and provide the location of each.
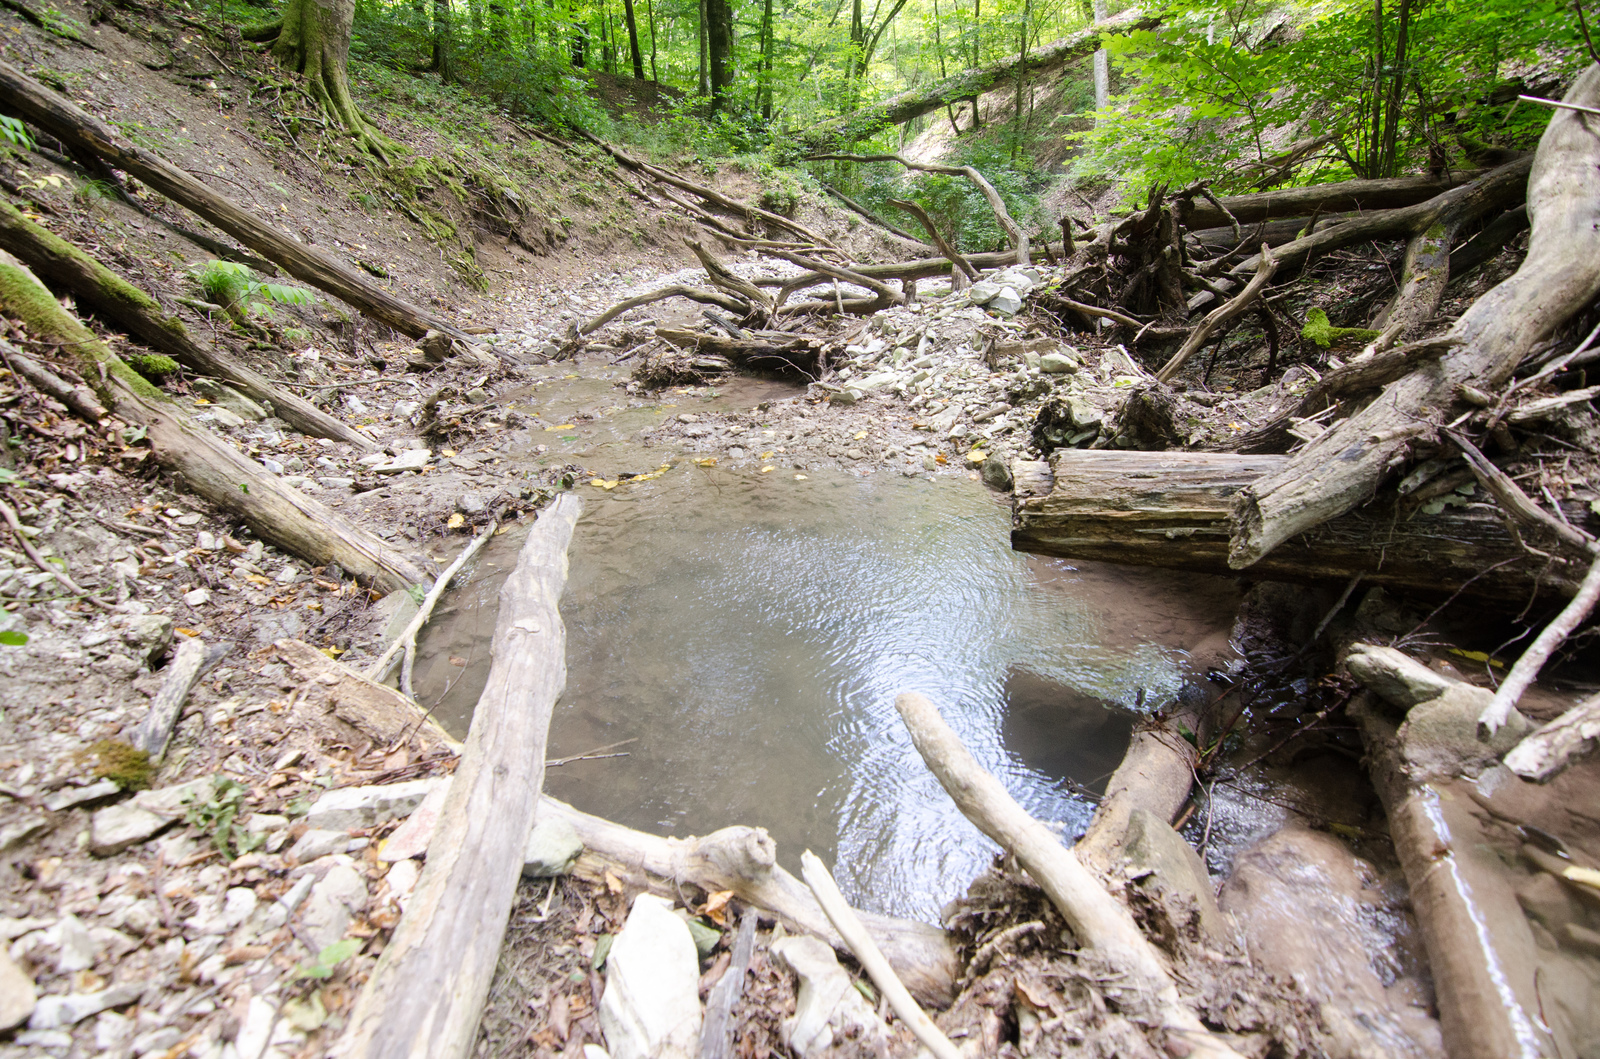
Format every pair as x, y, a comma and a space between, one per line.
83, 133
913, 103
202, 463
705, 62
1102, 65
442, 44
1171, 509
426, 995
719, 48
314, 40
1560, 275
1323, 199
132, 311
633, 40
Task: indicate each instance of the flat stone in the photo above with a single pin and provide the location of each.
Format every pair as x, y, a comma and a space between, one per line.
71, 797
226, 418
348, 808
334, 482
198, 597
996, 474
1008, 302
410, 839
1151, 845
845, 396
148, 634
318, 843
409, 460
696, 431
855, 454
17, 993
1057, 364
651, 1006
332, 902
116, 827
876, 382
828, 1007
229, 398
1084, 415
553, 845
471, 504
55, 1012
984, 291
75, 949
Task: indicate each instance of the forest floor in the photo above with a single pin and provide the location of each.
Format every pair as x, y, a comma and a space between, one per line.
209, 914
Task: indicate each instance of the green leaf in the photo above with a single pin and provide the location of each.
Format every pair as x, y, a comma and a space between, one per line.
13, 638
328, 959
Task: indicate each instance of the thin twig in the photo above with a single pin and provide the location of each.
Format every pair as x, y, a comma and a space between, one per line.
1538, 653
59, 574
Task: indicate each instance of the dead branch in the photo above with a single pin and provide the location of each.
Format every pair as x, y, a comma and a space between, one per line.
76, 396
887, 295
938, 240
1221, 315
1526, 669
155, 731
872, 218
1517, 503
676, 290
726, 279
42, 563
1546, 753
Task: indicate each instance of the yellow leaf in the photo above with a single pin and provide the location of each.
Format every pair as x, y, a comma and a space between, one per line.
333, 652
799, 477
603, 484
1583, 876
766, 455
185, 632
939, 458
767, 469
977, 456
448, 452
716, 906
613, 883
201, 400
709, 461
563, 426
457, 520
1476, 656
859, 435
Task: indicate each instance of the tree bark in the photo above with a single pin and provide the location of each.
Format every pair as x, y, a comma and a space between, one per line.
1560, 275
913, 103
313, 39
1172, 509
1365, 195
719, 50
203, 463
132, 311
633, 39
426, 995
82, 132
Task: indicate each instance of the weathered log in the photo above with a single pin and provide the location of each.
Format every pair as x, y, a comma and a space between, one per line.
378, 712
1156, 775
79, 399
1560, 275
426, 994
744, 860
1172, 509
1363, 195
133, 312
1489, 242
914, 103
155, 731
728, 281
675, 290
203, 463
82, 132
716, 1032
763, 351
1098, 921
1544, 754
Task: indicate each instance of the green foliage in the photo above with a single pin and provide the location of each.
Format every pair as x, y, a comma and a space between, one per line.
1225, 85
153, 366
15, 132
329, 959
955, 204
13, 638
123, 764
215, 816
1320, 330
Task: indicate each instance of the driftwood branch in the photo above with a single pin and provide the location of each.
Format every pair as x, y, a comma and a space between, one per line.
724, 278
716, 1032
78, 398
845, 921
676, 290
1538, 653
155, 731
1096, 918
1543, 755
426, 994
938, 240
1221, 315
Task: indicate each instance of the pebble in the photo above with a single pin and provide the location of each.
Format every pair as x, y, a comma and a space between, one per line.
198, 597
317, 843
54, 1012
409, 460
17, 994
331, 903
471, 504
552, 847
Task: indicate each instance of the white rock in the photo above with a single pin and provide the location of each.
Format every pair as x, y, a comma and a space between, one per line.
828, 1007
348, 808
983, 292
409, 460
651, 1006
76, 951
256, 1032
54, 1012
318, 843
341, 892
1008, 302
117, 827
68, 797
198, 597
410, 839
1057, 364
402, 877
17, 994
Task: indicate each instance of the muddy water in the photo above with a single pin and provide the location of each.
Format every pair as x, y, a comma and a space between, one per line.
748, 634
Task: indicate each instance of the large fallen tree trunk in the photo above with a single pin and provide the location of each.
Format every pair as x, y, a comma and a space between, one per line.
204, 464
425, 996
744, 860
1155, 775
135, 313
1364, 195
1344, 467
1172, 509
913, 103
85, 134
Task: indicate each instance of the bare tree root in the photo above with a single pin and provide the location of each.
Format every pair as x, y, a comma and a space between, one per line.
1221, 315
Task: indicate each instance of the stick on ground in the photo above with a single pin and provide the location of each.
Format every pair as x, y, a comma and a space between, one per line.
1538, 653
155, 731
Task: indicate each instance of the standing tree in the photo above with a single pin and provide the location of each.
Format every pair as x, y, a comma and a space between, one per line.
633, 39
313, 38
719, 48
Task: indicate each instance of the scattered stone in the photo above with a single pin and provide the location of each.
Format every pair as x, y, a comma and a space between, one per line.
996, 472
477, 395
847, 396
75, 949
1008, 302
410, 839
696, 431
72, 797
409, 460
828, 1007
552, 847
229, 398
149, 635
471, 504
984, 291
54, 1012
349, 808
1058, 364
1153, 846
340, 894
651, 1006
198, 597
17, 993
225, 418
855, 454
317, 843
116, 827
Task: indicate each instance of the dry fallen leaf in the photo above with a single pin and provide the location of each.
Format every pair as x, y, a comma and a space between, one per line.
939, 458
716, 906
977, 456
613, 883
456, 521
709, 461
860, 435
767, 469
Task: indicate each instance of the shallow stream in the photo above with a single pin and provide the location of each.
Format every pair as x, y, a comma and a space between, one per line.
746, 633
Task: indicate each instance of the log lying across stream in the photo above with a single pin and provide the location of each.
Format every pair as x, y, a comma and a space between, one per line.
1171, 509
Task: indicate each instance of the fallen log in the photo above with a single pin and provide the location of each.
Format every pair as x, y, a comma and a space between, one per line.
1098, 921
376, 711
1172, 509
155, 731
1156, 775
1345, 197
426, 994
83, 133
913, 103
204, 464
675, 290
1543, 755
1560, 275
78, 398
762, 351
130, 310
744, 860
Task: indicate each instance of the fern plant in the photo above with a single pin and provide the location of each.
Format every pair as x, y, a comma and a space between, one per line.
241, 293
15, 132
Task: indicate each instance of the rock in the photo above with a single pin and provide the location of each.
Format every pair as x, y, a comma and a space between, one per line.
845, 396
1153, 846
149, 635
1007, 303
72, 797
855, 454
351, 807
651, 1006
828, 1007
409, 460
331, 903
696, 431
17, 832
477, 395
688, 417
553, 845
996, 473
471, 504
984, 291
225, 418
436, 345
229, 398
317, 843
336, 483
410, 839
116, 827
17, 993
402, 877
395, 611
52, 1040
356, 406
1057, 364
198, 597
54, 1012
876, 382
75, 951
405, 409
